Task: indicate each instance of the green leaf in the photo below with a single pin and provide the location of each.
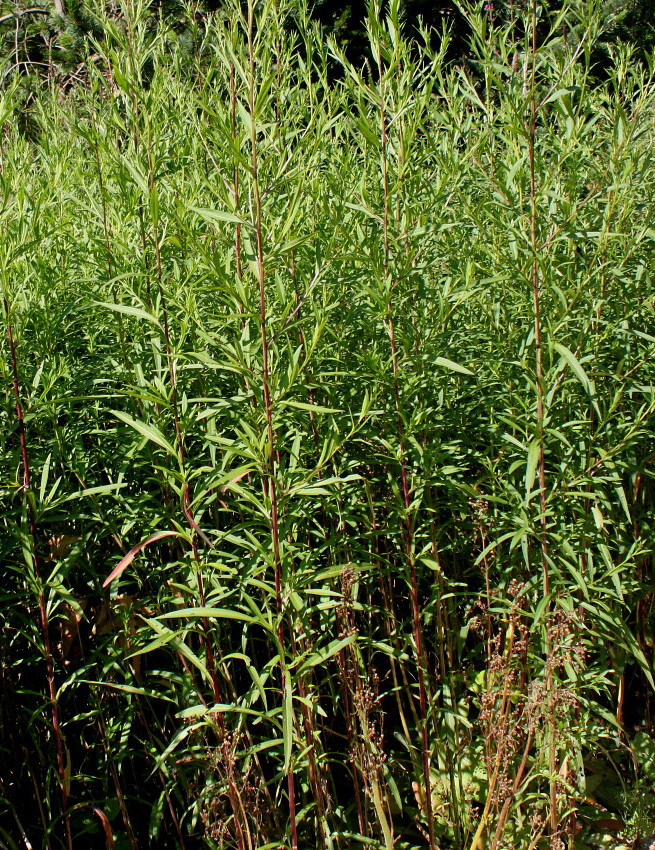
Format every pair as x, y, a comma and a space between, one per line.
218, 216
578, 371
150, 432
218, 613
178, 644
454, 367
129, 689
322, 655
129, 311
301, 405
531, 466
287, 721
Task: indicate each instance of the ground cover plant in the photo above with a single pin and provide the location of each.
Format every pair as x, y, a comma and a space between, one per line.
327, 438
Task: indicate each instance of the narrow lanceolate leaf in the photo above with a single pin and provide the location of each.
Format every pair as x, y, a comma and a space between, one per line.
531, 466
137, 312
454, 367
176, 642
124, 563
102, 490
215, 216
136, 174
287, 720
150, 432
220, 613
129, 689
301, 405
327, 652
577, 369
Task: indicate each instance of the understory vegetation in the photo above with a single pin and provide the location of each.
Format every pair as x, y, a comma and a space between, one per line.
327, 438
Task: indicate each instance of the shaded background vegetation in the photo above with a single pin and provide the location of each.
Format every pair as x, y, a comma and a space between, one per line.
53, 37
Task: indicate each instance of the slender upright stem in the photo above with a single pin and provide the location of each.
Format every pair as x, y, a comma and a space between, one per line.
539, 375
269, 481
269, 477
235, 181
536, 305
409, 526
187, 502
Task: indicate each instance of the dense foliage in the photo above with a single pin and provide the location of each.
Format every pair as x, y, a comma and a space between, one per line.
48, 42
327, 439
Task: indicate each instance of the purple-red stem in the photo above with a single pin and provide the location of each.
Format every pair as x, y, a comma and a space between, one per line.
270, 487
409, 530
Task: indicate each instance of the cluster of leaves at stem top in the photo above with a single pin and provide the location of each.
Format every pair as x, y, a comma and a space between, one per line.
48, 43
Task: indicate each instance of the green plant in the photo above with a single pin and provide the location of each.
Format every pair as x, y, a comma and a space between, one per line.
326, 443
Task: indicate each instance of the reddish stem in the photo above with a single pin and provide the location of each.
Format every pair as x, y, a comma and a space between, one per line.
269, 483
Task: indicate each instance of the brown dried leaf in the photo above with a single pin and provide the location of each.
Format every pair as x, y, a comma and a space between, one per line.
61, 544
